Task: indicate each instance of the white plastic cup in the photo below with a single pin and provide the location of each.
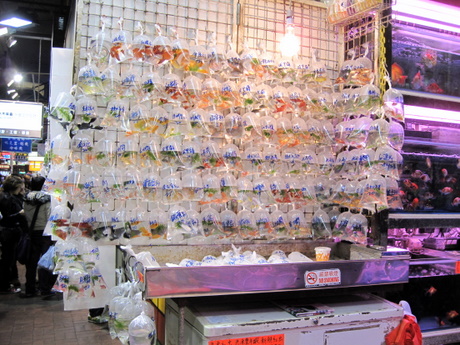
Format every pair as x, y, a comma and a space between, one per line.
322, 253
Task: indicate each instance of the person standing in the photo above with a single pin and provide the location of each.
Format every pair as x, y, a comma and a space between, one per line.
12, 225
14, 278
37, 206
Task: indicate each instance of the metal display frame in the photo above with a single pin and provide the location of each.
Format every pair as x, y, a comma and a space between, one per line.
243, 19
247, 22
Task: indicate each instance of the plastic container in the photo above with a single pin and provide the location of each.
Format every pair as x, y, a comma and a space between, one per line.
322, 253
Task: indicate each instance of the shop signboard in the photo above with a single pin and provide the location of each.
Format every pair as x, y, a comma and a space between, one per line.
21, 119
16, 145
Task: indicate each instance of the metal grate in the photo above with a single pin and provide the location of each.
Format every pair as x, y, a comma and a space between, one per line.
264, 21
186, 16
248, 22
359, 33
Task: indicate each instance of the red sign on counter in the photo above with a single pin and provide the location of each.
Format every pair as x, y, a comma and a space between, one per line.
276, 339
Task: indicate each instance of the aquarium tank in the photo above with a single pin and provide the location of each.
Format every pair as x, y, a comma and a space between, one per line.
425, 61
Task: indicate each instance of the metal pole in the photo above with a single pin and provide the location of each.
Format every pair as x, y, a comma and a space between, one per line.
181, 302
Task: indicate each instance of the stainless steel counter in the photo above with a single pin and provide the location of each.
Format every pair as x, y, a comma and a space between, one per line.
350, 266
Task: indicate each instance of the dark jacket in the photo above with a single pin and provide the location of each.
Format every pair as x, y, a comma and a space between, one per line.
10, 206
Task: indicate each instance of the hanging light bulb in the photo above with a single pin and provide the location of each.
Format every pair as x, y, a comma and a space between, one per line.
290, 43
18, 78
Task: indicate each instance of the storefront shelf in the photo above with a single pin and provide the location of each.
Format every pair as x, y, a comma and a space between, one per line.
423, 220
226, 280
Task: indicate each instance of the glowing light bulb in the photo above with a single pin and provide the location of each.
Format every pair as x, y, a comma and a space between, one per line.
290, 43
17, 78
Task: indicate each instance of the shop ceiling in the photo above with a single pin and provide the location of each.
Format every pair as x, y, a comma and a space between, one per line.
30, 55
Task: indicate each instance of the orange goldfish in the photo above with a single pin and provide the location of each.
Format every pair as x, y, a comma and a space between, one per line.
431, 291
397, 74
452, 314
417, 81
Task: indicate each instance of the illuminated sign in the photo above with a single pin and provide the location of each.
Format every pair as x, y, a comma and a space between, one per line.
21, 119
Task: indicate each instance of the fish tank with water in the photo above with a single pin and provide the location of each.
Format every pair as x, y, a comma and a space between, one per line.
425, 61
425, 67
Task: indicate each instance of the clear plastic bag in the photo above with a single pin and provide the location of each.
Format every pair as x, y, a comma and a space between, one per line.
374, 194
47, 260
321, 224
141, 330
357, 228
340, 226
63, 108
211, 223
393, 104
121, 40
89, 79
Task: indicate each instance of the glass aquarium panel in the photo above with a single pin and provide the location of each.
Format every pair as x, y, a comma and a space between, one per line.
425, 61
430, 183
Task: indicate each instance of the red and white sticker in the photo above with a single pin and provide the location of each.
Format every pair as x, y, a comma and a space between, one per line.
276, 339
322, 277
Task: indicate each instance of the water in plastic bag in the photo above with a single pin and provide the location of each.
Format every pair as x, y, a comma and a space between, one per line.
64, 107
393, 104
396, 135
141, 330
378, 133
374, 194
357, 228
387, 162
339, 229
393, 194
247, 224
321, 224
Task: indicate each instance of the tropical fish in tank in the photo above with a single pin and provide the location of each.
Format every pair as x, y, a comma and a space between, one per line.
417, 81
397, 74
434, 88
429, 58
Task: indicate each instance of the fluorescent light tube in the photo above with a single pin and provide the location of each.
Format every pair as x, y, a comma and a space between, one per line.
430, 114
427, 13
427, 23
15, 22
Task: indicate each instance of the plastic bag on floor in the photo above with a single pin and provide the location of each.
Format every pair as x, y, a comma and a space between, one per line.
141, 330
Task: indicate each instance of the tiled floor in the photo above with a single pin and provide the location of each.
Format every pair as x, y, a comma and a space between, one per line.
33, 321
